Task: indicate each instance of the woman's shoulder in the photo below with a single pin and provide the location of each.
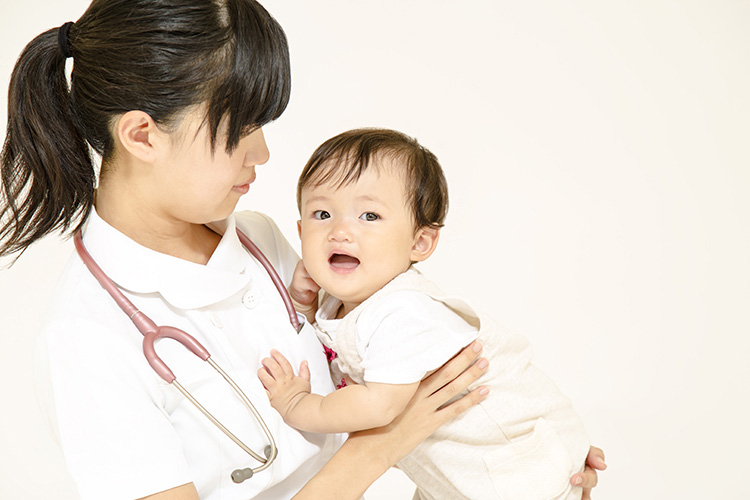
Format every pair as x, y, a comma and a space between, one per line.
256, 223
80, 308
267, 236
261, 229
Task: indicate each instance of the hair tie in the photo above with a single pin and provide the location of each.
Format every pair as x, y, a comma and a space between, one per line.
62, 39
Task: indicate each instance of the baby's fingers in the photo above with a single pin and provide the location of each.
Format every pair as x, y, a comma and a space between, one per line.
304, 371
273, 368
269, 383
282, 362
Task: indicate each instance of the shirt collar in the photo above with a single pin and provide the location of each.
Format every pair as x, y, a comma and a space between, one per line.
185, 285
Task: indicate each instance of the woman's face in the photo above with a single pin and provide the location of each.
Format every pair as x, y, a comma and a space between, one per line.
197, 185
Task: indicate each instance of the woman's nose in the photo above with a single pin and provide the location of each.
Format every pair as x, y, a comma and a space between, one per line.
256, 152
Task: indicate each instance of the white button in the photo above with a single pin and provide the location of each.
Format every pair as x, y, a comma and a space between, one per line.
249, 300
215, 320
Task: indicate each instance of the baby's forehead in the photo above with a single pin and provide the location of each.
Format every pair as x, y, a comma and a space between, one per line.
342, 171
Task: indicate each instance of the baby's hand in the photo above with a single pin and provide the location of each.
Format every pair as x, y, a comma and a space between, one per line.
285, 389
304, 292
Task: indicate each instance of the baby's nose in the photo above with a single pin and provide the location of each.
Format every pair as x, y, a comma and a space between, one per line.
340, 232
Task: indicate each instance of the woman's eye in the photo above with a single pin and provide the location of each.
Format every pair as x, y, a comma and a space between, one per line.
321, 215
369, 216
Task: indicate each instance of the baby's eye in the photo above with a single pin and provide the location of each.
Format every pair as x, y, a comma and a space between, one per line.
321, 215
369, 216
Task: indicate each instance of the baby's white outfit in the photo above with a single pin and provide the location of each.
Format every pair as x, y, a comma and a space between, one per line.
524, 441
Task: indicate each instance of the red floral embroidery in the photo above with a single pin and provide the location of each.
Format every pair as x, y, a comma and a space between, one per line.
330, 354
342, 384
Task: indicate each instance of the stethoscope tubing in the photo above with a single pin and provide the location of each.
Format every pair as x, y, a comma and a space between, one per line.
151, 333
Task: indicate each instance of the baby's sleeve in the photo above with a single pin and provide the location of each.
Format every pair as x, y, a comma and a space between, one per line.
409, 335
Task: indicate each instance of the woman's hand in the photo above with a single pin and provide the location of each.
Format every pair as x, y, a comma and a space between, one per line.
366, 455
426, 411
588, 478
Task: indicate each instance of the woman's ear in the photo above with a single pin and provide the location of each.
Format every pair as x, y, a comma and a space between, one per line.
136, 133
425, 242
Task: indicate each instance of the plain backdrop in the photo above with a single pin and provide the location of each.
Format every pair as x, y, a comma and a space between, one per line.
599, 167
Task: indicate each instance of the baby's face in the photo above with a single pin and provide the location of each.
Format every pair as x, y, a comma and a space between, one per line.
357, 237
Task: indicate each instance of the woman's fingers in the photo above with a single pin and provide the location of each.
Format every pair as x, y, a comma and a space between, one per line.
453, 369
589, 478
461, 405
589, 481
595, 458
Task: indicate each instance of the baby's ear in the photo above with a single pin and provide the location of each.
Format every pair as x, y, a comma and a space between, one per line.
425, 242
299, 228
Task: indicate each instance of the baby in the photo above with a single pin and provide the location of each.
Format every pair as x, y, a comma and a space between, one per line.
372, 203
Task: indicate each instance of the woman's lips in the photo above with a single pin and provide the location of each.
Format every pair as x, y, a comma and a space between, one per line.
343, 263
242, 188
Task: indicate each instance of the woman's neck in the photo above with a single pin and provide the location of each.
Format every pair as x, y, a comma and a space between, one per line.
136, 218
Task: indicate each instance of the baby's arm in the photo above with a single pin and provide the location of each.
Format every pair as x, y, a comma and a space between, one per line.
304, 292
352, 408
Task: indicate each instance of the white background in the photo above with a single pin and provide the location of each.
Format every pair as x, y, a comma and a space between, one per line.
598, 159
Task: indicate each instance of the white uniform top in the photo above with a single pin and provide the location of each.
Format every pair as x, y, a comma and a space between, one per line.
124, 432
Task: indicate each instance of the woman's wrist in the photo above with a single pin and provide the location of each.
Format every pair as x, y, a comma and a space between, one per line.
356, 465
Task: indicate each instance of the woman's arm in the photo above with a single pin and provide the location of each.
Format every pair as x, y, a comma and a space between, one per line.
366, 455
349, 409
184, 492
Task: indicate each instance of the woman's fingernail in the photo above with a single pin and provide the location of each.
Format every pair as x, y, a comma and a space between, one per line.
484, 391
579, 481
477, 346
483, 364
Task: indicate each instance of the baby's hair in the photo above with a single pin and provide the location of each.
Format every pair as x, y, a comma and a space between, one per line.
342, 160
158, 56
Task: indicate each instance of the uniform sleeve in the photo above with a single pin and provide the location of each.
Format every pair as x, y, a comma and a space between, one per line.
267, 236
407, 336
105, 401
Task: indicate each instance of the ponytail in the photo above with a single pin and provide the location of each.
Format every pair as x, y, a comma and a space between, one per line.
161, 57
48, 175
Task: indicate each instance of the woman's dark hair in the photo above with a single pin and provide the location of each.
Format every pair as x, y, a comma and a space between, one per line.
344, 158
157, 56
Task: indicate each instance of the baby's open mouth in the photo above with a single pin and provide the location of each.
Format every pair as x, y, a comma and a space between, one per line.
342, 261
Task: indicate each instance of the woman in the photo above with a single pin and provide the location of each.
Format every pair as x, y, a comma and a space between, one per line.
173, 96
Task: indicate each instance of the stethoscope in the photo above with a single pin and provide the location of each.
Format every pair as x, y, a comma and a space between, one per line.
151, 332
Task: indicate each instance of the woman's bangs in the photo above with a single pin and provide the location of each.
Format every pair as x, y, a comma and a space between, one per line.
256, 89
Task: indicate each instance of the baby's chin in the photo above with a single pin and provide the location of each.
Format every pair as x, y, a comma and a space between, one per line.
351, 296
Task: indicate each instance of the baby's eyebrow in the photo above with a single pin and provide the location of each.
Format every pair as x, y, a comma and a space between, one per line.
316, 199
367, 197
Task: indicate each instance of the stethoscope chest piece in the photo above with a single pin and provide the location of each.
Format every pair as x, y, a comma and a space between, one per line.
151, 332
240, 475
